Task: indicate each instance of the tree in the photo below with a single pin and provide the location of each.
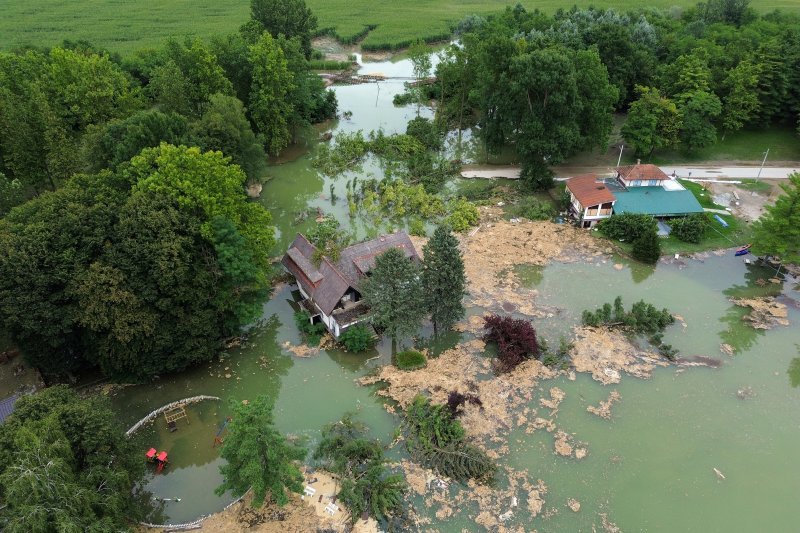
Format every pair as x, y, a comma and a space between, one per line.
740, 104
66, 465
420, 55
10, 194
691, 228
777, 232
258, 456
290, 18
653, 122
394, 294
698, 110
272, 82
206, 185
119, 140
647, 247
224, 127
515, 339
443, 280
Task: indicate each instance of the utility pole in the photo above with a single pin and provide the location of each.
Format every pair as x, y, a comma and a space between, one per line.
621, 146
762, 164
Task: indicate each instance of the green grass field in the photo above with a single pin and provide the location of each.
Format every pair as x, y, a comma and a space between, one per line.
125, 26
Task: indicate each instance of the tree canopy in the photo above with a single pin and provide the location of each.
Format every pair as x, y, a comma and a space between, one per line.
258, 457
777, 231
443, 280
66, 465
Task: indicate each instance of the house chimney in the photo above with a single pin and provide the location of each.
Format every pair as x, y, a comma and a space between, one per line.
638, 161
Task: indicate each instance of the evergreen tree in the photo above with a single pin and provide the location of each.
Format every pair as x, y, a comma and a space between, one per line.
647, 247
443, 279
258, 456
777, 232
394, 294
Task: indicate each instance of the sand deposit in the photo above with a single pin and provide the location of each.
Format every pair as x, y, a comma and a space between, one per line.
606, 353
765, 313
493, 249
604, 409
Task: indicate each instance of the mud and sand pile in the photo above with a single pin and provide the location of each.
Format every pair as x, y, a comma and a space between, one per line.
606, 353
492, 250
765, 313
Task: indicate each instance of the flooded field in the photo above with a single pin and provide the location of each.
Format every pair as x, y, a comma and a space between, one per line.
649, 468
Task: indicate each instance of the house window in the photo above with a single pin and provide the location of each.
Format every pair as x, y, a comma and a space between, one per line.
587, 223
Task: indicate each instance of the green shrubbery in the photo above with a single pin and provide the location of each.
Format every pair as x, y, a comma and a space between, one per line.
410, 360
640, 230
691, 228
357, 338
312, 333
533, 208
463, 215
643, 317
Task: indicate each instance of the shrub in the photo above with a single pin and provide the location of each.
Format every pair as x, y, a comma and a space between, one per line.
402, 99
628, 227
357, 338
690, 229
642, 318
417, 227
463, 215
312, 333
515, 339
410, 360
647, 248
534, 209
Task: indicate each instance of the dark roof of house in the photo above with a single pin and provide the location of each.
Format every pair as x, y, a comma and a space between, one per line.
7, 406
330, 281
589, 191
642, 172
657, 201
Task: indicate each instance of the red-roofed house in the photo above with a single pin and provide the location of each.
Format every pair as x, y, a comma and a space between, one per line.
590, 199
640, 175
330, 289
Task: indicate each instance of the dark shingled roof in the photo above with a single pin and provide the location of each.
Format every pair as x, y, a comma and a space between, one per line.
327, 284
7, 406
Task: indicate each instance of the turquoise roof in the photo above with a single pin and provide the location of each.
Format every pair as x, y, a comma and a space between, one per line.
656, 201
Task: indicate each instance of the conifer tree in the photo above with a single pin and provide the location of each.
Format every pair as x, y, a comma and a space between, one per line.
394, 294
443, 279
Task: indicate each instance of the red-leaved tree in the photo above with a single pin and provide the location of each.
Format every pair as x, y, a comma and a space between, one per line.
515, 339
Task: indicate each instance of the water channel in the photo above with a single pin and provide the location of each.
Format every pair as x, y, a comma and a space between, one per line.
650, 468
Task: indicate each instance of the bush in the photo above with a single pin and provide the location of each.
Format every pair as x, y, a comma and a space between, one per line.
312, 333
357, 338
515, 339
463, 215
534, 209
690, 229
628, 227
402, 99
647, 248
642, 318
410, 360
417, 227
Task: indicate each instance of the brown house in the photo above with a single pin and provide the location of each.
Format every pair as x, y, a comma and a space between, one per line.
590, 199
640, 175
330, 289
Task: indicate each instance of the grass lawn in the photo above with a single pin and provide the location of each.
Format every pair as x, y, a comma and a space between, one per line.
125, 26
748, 145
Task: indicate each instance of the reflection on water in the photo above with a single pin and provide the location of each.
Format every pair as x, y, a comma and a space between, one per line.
794, 371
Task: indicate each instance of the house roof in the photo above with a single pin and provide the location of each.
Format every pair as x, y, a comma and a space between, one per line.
641, 172
589, 191
656, 201
7, 406
330, 281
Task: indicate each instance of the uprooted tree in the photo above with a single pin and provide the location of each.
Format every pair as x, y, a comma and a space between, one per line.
515, 339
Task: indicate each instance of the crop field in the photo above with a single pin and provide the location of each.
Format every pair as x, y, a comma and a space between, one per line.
125, 26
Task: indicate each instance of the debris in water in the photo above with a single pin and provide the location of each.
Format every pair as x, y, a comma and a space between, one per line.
574, 504
604, 409
605, 353
719, 474
727, 349
765, 312
745, 393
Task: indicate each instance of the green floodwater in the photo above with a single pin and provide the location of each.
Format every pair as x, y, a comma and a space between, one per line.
650, 467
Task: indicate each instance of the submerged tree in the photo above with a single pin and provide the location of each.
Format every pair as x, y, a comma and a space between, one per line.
394, 294
258, 457
443, 280
515, 339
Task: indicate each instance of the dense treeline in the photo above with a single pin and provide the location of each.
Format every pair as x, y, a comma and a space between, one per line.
549, 84
137, 250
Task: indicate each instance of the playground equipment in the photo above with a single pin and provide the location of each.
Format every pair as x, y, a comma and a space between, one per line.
173, 415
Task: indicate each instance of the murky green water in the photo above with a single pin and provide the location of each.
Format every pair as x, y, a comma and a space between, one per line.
649, 468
